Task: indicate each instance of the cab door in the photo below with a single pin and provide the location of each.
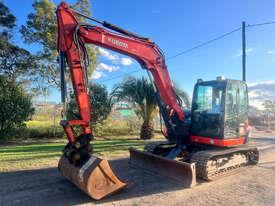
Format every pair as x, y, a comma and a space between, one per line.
243, 108
231, 117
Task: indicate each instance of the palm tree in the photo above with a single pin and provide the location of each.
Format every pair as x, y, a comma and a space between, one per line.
140, 92
183, 95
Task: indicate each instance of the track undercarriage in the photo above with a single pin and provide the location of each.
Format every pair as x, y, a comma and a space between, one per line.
210, 164
215, 163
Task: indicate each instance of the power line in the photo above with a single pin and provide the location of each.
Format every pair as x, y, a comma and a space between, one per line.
181, 53
261, 24
196, 47
204, 43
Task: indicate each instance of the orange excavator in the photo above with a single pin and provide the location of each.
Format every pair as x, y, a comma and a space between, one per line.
208, 142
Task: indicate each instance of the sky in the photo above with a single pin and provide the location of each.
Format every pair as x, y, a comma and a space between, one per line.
176, 26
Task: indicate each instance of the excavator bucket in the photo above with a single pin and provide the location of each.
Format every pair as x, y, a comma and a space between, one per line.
95, 177
182, 172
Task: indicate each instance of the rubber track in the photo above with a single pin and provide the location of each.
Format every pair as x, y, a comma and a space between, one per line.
201, 159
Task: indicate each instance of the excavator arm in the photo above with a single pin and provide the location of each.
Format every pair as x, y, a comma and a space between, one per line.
72, 37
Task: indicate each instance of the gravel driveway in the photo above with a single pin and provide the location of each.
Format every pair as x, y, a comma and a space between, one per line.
252, 186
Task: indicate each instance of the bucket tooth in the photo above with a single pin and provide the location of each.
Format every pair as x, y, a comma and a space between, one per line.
182, 172
95, 177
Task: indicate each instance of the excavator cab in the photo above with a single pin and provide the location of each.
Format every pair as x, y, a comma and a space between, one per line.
219, 111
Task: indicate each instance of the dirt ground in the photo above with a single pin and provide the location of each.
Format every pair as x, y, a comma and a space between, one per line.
252, 186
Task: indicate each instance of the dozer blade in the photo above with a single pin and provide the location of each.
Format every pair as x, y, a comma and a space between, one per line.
182, 172
94, 177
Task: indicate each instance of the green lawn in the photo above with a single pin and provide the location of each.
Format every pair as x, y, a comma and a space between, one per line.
46, 154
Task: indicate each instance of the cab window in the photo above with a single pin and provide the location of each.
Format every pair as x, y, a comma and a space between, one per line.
231, 99
243, 98
209, 98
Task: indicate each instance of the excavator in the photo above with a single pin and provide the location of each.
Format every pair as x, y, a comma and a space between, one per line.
209, 142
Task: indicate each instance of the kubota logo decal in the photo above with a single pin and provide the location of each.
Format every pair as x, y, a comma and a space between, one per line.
118, 43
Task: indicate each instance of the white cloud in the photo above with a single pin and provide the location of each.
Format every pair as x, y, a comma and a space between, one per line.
272, 54
115, 59
252, 84
97, 74
102, 68
239, 54
107, 54
249, 50
261, 91
105, 67
126, 61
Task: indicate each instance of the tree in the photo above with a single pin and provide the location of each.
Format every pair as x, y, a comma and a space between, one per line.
100, 101
41, 28
84, 7
270, 112
140, 92
16, 64
15, 106
256, 117
270, 106
183, 95
7, 21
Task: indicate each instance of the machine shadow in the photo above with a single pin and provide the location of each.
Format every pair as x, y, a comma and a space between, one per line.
32, 186
139, 182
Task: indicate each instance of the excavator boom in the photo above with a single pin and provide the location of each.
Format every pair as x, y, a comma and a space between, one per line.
92, 174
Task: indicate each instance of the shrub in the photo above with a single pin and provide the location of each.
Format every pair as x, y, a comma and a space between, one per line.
100, 101
15, 106
116, 127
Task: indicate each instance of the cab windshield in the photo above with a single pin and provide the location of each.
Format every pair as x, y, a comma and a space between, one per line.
208, 98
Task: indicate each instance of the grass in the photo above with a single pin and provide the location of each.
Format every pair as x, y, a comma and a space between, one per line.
46, 154
35, 130
40, 143
40, 124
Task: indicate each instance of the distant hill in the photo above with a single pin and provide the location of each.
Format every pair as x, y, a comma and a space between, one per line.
261, 91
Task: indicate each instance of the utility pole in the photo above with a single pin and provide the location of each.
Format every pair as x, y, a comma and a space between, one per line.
243, 52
